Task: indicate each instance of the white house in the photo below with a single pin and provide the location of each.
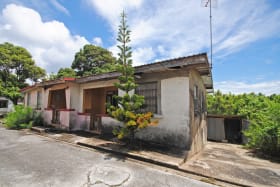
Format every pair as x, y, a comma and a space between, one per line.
175, 91
6, 105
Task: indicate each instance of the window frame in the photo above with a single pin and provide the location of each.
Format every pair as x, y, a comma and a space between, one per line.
5, 105
157, 97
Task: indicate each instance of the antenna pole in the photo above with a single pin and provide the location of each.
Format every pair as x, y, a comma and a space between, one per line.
211, 44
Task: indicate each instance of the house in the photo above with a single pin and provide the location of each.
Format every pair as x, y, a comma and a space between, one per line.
175, 91
6, 106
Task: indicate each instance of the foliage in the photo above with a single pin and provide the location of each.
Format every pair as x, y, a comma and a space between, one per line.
262, 111
66, 72
93, 60
16, 66
128, 104
22, 117
62, 73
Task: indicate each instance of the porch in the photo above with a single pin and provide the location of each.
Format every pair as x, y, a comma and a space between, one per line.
94, 115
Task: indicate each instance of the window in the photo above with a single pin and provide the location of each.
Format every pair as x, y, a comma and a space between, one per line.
28, 99
110, 99
39, 100
195, 92
150, 92
196, 100
3, 103
57, 99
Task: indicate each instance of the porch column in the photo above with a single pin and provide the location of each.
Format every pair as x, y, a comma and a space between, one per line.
67, 97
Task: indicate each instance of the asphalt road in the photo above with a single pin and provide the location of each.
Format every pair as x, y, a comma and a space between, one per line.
31, 160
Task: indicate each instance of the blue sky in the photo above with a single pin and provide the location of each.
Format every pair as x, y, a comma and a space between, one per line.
246, 34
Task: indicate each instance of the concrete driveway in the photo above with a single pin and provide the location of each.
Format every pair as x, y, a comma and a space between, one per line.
231, 162
30, 160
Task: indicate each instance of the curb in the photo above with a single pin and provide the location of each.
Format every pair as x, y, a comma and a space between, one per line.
134, 156
38, 130
160, 163
137, 157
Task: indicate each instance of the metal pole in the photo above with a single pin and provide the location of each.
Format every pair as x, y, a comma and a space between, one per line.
211, 51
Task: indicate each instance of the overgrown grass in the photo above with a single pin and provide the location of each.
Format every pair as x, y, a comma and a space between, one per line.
22, 117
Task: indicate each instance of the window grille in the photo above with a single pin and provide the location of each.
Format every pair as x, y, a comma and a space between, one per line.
150, 92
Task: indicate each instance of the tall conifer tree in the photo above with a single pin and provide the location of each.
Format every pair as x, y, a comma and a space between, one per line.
127, 110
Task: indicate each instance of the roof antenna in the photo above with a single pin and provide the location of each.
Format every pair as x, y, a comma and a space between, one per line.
210, 4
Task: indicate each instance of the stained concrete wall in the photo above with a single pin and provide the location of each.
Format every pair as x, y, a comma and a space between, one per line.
173, 128
198, 123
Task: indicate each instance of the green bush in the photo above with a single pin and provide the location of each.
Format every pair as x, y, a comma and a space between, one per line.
265, 139
22, 117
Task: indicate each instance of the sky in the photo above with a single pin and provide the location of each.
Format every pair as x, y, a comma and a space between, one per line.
246, 34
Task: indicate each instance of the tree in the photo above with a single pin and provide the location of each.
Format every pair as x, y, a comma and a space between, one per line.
66, 72
16, 66
92, 60
129, 104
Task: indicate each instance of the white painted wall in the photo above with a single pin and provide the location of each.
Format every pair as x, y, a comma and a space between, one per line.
9, 108
173, 127
75, 95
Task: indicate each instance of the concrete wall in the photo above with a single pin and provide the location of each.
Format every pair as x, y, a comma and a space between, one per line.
75, 95
216, 129
198, 124
33, 98
173, 128
47, 115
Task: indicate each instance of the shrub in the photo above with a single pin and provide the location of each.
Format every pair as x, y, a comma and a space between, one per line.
22, 117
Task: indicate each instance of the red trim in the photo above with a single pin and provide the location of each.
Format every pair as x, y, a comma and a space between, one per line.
66, 109
26, 88
102, 115
69, 79
62, 109
97, 115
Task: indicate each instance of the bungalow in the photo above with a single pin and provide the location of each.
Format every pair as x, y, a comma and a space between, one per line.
175, 91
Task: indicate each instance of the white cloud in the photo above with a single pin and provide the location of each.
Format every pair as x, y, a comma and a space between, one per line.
97, 41
50, 43
182, 27
112, 9
59, 7
141, 55
267, 88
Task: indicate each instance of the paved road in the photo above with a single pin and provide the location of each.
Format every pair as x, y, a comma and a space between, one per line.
31, 160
